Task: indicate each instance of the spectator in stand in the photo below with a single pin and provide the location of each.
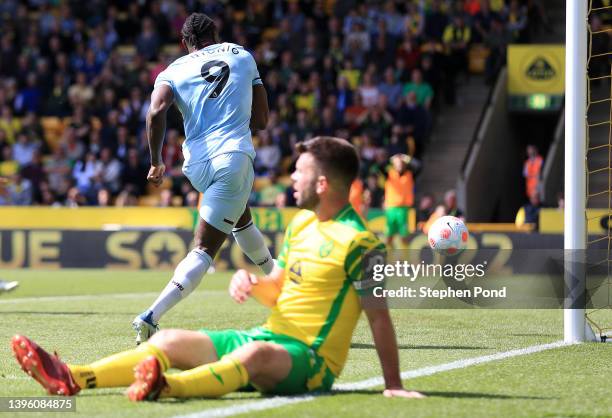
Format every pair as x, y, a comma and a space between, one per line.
268, 155
482, 20
23, 149
165, 199
110, 130
35, 172
81, 92
391, 89
376, 123
75, 198
415, 119
354, 112
29, 97
529, 213
8, 165
191, 200
399, 142
375, 193
435, 21
515, 15
9, 124
450, 204
497, 41
172, 155
351, 74
124, 142
425, 210
56, 103
532, 170
302, 129
132, 173
383, 48
422, 89
57, 168
457, 36
148, 42
20, 192
109, 172
32, 127
104, 198
80, 123
126, 199
268, 194
73, 148
409, 52
84, 172
328, 124
560, 201
344, 94
368, 91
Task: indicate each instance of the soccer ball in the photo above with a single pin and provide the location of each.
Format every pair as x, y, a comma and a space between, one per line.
448, 235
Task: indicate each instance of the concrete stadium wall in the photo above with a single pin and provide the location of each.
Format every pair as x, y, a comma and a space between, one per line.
488, 187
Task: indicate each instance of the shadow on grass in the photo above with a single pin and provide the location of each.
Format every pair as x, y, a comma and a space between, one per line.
361, 346
535, 334
437, 394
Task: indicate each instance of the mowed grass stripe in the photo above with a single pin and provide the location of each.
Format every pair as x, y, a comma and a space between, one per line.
280, 401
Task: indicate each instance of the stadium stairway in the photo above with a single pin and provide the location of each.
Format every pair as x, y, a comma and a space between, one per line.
450, 139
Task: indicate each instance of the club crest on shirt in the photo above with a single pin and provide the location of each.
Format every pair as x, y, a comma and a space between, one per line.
326, 248
295, 272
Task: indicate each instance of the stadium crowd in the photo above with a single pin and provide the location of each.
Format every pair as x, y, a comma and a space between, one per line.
75, 85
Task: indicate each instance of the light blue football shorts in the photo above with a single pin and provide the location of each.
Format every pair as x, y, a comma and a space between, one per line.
226, 182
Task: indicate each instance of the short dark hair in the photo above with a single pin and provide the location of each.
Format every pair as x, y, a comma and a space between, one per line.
199, 29
336, 156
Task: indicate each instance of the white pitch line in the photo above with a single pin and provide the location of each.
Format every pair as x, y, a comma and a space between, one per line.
94, 297
459, 364
367, 383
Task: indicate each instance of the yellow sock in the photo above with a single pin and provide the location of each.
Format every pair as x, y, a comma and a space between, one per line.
210, 380
116, 370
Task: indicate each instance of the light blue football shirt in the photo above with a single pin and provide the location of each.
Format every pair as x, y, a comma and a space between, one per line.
213, 89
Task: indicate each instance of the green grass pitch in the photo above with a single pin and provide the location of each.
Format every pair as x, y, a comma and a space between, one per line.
86, 314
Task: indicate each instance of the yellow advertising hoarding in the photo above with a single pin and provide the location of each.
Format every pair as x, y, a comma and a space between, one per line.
552, 221
536, 69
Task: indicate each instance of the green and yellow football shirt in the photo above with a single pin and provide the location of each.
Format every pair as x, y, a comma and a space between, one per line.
318, 303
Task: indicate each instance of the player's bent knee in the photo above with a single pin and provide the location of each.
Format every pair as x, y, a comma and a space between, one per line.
165, 339
266, 363
185, 349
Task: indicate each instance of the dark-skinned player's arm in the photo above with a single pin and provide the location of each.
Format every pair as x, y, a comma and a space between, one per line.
259, 108
161, 100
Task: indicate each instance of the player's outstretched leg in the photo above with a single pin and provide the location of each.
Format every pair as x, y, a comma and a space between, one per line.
59, 378
48, 370
251, 242
149, 381
261, 363
187, 276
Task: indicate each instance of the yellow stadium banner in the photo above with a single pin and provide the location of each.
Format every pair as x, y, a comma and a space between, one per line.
536, 76
94, 218
552, 221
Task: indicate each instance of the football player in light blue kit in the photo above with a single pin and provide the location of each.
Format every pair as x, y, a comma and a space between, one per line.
219, 92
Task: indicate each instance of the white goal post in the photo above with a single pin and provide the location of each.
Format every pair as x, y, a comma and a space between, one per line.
575, 236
